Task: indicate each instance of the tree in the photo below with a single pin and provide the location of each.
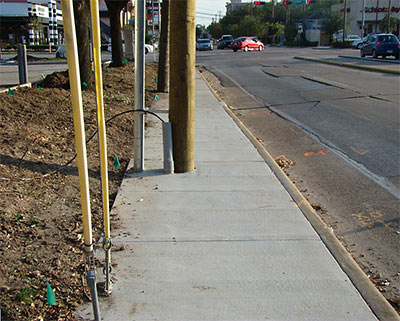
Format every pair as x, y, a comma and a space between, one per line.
82, 26
114, 9
162, 84
333, 23
394, 24
251, 26
291, 32
272, 31
215, 29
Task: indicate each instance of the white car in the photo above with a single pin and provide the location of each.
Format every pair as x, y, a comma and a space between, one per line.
147, 48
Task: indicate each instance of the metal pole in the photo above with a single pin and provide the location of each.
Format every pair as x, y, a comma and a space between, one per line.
101, 124
363, 19
159, 27
139, 86
344, 20
273, 10
152, 31
22, 64
389, 16
91, 281
376, 16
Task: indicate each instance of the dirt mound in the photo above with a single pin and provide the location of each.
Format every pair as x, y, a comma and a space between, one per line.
40, 214
56, 80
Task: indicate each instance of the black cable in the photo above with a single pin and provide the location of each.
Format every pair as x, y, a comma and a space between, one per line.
87, 141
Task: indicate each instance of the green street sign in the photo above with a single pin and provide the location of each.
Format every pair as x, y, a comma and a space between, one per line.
298, 2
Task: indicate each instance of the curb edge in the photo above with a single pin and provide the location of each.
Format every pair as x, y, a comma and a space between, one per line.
376, 301
348, 65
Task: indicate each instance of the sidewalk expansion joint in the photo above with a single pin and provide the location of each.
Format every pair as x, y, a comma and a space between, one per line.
135, 241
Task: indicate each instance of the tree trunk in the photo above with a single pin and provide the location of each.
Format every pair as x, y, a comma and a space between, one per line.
114, 9
163, 67
82, 26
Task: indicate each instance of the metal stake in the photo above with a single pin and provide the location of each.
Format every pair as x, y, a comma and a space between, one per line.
91, 281
167, 143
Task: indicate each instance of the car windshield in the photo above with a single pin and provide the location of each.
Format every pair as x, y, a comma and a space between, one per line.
240, 39
227, 37
204, 41
387, 38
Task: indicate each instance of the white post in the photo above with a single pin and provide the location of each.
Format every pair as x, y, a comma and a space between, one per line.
139, 86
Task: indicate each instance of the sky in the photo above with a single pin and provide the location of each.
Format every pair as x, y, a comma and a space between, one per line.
206, 10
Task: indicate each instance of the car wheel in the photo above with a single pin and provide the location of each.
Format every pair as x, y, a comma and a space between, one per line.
234, 50
362, 53
374, 55
146, 51
260, 48
246, 49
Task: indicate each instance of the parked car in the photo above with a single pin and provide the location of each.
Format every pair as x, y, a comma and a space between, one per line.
359, 42
246, 44
381, 45
204, 44
224, 42
147, 48
338, 37
352, 38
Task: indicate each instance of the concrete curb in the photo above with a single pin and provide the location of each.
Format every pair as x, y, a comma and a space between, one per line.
371, 59
377, 302
348, 65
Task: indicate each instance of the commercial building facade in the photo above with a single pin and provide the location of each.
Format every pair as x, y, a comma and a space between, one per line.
374, 12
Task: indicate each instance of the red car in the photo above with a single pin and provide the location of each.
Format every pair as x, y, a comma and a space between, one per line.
246, 44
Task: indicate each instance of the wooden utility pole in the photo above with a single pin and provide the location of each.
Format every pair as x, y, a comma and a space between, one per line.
162, 84
182, 82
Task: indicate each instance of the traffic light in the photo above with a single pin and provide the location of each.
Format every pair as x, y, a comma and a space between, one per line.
287, 3
259, 3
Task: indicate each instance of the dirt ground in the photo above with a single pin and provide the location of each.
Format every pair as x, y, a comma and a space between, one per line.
40, 213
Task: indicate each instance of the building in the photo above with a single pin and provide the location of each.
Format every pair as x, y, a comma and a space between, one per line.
30, 21
234, 5
35, 22
375, 11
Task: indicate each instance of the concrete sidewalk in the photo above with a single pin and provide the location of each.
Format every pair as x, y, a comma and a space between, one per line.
226, 242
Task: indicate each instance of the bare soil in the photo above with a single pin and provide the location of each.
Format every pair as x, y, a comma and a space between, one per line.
40, 213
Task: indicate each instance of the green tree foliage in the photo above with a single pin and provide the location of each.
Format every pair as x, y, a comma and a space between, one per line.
394, 24
260, 21
332, 23
250, 26
215, 29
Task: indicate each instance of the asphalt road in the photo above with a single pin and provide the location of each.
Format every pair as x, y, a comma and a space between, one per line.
39, 69
341, 127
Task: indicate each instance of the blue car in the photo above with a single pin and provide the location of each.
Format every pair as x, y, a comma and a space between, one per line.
204, 44
380, 45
